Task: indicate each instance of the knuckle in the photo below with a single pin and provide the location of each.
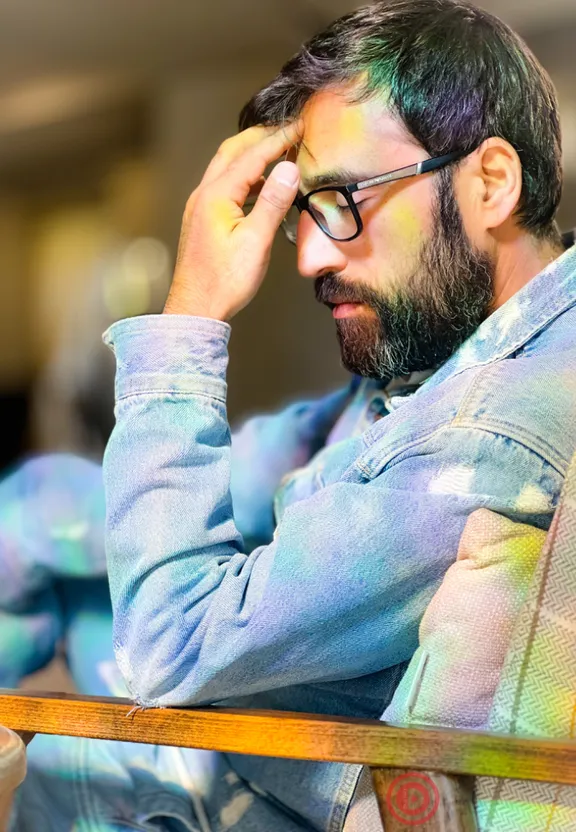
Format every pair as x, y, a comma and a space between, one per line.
190, 203
197, 201
192, 198
225, 147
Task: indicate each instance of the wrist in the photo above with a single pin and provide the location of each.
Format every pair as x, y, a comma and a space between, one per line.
181, 303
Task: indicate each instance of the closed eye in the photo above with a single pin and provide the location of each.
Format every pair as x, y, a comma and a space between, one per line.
343, 205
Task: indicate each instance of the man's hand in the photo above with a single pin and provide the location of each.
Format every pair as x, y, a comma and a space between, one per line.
223, 255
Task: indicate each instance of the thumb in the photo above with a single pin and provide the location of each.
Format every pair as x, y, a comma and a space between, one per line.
274, 201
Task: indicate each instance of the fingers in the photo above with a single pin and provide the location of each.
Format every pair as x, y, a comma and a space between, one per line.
232, 147
276, 197
253, 194
237, 181
265, 142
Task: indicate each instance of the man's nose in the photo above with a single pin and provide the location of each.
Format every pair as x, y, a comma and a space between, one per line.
317, 253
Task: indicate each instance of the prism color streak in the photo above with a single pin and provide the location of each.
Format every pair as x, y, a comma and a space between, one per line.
289, 568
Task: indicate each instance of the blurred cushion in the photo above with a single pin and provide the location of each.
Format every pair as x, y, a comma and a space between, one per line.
28, 638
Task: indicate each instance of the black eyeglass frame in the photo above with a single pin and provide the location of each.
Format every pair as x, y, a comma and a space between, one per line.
425, 166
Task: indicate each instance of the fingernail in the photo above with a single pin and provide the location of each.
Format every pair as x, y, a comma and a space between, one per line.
287, 173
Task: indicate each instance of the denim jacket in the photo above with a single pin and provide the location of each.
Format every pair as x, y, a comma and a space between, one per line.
294, 575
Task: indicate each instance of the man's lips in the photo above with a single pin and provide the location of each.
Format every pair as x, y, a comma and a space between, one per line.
345, 309
338, 302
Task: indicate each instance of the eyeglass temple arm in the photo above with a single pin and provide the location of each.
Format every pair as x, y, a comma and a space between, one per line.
411, 170
440, 161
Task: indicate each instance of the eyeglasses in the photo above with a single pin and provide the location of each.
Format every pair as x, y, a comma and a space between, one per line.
333, 208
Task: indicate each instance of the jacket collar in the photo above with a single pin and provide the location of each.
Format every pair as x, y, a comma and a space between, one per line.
513, 324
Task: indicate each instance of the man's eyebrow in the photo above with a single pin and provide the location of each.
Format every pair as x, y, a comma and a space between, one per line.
337, 176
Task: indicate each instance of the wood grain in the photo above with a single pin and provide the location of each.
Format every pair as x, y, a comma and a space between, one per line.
299, 736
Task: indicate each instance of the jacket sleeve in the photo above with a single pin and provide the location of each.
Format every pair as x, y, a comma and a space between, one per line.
340, 590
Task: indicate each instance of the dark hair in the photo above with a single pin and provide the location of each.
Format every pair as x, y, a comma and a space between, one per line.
454, 75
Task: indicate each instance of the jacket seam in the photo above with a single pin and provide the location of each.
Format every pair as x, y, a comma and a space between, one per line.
187, 393
200, 323
529, 441
460, 426
472, 384
364, 468
545, 452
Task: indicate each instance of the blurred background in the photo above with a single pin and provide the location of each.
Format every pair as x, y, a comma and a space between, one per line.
109, 113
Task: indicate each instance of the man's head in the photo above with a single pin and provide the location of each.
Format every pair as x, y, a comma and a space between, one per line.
385, 87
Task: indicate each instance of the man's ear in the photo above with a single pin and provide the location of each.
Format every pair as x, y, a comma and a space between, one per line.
498, 167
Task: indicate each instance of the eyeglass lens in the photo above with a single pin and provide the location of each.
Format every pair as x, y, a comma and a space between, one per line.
331, 212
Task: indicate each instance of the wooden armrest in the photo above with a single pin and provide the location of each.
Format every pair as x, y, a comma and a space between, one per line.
446, 758
294, 735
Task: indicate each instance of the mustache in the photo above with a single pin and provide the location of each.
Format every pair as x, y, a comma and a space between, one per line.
330, 285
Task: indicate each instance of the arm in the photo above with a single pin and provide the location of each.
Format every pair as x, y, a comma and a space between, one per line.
52, 506
339, 592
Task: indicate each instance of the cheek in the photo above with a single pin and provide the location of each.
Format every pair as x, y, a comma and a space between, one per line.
401, 225
408, 222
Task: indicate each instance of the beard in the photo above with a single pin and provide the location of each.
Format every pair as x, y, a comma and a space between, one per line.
439, 306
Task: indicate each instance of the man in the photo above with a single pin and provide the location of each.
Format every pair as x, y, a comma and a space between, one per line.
423, 153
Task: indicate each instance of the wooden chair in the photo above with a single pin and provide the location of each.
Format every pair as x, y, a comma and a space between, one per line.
443, 760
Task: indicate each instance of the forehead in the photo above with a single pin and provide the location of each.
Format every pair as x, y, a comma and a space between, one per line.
337, 134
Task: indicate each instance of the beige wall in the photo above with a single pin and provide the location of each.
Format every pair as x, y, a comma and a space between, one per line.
15, 351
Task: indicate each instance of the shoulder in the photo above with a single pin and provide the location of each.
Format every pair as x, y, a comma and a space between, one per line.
530, 397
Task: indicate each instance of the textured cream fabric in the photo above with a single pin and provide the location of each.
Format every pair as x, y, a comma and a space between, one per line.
536, 695
464, 639
466, 629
